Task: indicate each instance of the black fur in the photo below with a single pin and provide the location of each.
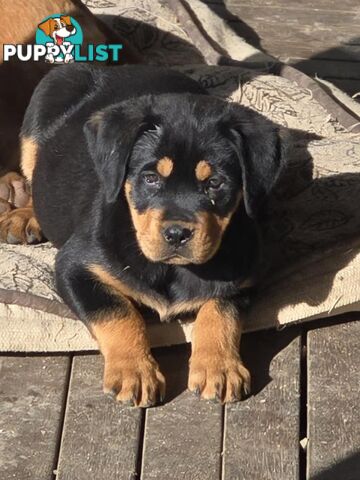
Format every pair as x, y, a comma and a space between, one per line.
147, 113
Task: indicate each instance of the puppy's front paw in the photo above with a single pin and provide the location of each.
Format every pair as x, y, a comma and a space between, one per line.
20, 226
220, 377
134, 381
14, 190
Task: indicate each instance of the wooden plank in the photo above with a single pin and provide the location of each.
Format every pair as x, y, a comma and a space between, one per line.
298, 32
310, 49
100, 437
319, 19
351, 87
305, 5
32, 392
183, 437
327, 68
333, 403
261, 438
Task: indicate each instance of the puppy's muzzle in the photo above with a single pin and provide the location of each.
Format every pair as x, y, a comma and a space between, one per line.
177, 235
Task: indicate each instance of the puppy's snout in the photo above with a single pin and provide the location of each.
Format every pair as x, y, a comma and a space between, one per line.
69, 28
177, 235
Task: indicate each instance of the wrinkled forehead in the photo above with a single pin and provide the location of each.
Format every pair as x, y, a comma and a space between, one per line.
190, 153
202, 170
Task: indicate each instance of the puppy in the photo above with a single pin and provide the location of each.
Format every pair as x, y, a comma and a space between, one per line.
58, 29
150, 189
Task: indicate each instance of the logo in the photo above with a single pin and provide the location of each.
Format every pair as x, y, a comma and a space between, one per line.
64, 32
58, 40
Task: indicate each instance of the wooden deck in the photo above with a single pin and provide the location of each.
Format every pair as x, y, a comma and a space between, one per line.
302, 422
319, 37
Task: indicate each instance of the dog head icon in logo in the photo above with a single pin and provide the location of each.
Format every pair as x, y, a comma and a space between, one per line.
64, 32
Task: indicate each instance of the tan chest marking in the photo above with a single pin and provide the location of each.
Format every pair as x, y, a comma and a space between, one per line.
161, 306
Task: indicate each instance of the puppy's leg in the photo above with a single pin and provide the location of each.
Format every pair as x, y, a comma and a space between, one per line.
216, 370
131, 372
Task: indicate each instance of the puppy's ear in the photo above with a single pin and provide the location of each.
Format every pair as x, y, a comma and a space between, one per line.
258, 146
47, 27
111, 136
66, 19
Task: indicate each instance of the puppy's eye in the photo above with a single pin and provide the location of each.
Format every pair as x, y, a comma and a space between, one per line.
214, 183
151, 178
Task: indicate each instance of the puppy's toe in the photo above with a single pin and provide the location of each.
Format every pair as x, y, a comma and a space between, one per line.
14, 190
5, 206
223, 379
19, 226
238, 383
33, 232
136, 382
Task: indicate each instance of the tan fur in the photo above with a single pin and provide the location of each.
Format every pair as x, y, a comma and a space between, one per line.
121, 288
165, 166
208, 231
13, 189
158, 304
29, 153
216, 370
5, 207
130, 370
147, 227
203, 171
19, 226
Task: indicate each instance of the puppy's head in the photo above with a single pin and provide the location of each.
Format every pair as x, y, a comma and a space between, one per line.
58, 28
186, 163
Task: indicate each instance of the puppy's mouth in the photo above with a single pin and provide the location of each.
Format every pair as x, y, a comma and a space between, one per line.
59, 40
175, 260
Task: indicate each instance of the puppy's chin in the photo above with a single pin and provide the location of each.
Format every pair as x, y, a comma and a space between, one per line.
177, 259
168, 260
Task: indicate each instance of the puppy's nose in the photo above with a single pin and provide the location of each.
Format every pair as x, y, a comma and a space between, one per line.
69, 28
176, 235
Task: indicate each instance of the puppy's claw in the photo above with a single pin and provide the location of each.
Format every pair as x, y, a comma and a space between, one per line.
197, 391
221, 380
135, 382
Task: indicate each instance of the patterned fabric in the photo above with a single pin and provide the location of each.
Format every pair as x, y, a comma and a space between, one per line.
311, 231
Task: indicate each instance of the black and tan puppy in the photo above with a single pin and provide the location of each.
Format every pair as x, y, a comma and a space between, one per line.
150, 188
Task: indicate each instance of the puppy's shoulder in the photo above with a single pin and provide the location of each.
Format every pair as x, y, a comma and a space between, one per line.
59, 92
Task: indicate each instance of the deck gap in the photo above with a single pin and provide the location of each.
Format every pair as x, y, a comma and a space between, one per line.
62, 421
223, 434
141, 445
303, 405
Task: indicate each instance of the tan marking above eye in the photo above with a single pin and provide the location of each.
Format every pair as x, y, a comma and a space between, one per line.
165, 166
203, 170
